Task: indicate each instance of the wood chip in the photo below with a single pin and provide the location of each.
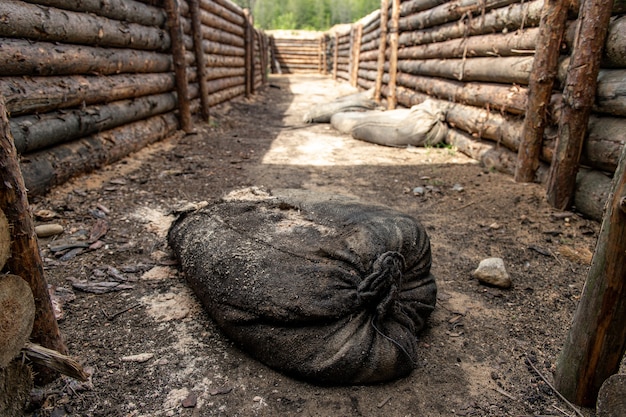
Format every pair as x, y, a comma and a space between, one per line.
220, 390
139, 358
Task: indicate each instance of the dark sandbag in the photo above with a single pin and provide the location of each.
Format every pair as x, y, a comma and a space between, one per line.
321, 113
423, 126
346, 121
323, 288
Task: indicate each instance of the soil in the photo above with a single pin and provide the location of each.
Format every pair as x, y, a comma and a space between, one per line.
152, 350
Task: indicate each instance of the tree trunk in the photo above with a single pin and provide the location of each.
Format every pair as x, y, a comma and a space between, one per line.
596, 341
415, 6
21, 57
392, 99
199, 49
24, 20
45, 169
17, 314
506, 70
37, 132
248, 59
124, 10
578, 97
382, 49
542, 76
335, 56
42, 94
511, 18
25, 260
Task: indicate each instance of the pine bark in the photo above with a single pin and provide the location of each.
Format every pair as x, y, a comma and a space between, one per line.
178, 54
382, 49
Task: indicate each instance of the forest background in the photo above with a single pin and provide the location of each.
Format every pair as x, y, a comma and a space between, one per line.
307, 14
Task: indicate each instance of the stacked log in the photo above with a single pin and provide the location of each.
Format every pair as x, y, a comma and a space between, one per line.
342, 53
368, 51
297, 51
76, 73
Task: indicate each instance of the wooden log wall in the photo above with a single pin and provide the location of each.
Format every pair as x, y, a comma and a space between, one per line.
476, 57
86, 83
297, 51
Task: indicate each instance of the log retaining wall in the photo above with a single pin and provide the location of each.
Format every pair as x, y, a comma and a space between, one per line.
87, 82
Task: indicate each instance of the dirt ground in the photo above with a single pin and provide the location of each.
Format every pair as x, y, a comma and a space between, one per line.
152, 351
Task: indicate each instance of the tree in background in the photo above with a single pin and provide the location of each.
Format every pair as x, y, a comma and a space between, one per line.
307, 14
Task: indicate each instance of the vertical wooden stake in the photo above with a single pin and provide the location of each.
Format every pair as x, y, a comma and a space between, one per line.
196, 25
356, 54
392, 100
178, 55
25, 260
578, 97
249, 50
335, 55
596, 341
542, 75
382, 49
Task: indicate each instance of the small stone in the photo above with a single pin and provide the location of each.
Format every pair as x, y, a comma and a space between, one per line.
494, 226
257, 399
492, 271
47, 230
190, 401
140, 358
419, 191
458, 187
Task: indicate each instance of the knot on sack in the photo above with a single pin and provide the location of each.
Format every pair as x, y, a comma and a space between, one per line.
383, 284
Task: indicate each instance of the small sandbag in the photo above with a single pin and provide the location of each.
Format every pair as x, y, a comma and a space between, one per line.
323, 288
321, 113
424, 125
346, 121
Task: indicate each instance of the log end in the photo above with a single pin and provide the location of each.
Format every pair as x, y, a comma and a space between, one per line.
16, 383
17, 314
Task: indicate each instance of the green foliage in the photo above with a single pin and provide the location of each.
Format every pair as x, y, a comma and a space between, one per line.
307, 14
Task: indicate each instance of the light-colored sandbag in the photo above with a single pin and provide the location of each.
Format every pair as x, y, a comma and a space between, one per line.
424, 125
321, 113
344, 122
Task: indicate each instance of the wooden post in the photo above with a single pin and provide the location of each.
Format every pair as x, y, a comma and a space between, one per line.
382, 49
249, 50
578, 97
392, 100
596, 341
178, 55
335, 56
356, 54
542, 76
196, 25
25, 260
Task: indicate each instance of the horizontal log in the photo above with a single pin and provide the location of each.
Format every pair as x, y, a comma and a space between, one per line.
25, 95
605, 138
217, 48
216, 35
369, 65
367, 75
214, 21
372, 36
415, 6
511, 18
229, 5
45, 169
213, 60
487, 153
366, 84
223, 12
227, 94
370, 46
225, 83
592, 191
509, 70
21, 57
124, 10
449, 12
613, 55
500, 44
507, 98
36, 132
42, 23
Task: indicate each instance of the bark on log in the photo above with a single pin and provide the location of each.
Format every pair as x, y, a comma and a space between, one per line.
578, 98
592, 191
199, 49
45, 169
227, 94
225, 83
41, 131
542, 76
392, 99
596, 341
213, 7
511, 18
20, 57
25, 260
382, 50
613, 55
225, 38
248, 59
335, 56
24, 20
506, 70
605, 140
611, 92
125, 10
499, 44
415, 6
212, 21
178, 54
229, 5
43, 94
507, 98
448, 12
215, 73
5, 240
17, 314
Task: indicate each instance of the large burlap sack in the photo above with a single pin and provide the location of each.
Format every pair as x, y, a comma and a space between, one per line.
322, 288
424, 125
346, 121
321, 113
